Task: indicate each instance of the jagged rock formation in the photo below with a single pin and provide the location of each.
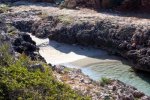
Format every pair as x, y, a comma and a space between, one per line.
122, 5
125, 39
129, 41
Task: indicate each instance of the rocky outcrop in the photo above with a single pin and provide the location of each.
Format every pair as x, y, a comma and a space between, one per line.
81, 3
115, 90
125, 40
121, 5
24, 44
18, 24
129, 40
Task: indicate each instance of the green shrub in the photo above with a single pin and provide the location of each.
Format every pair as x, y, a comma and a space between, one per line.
65, 19
4, 8
5, 57
105, 81
18, 83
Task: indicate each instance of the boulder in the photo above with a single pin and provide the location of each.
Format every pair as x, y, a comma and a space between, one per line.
36, 67
81, 3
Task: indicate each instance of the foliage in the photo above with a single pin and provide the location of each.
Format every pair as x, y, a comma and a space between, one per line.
4, 8
11, 30
6, 58
104, 81
18, 83
65, 19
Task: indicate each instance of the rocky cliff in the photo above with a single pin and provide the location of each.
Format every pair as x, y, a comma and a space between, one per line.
127, 40
124, 36
118, 35
121, 5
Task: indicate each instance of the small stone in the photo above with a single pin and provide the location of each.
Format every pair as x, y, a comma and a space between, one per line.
138, 94
128, 97
59, 68
36, 66
145, 98
114, 87
87, 81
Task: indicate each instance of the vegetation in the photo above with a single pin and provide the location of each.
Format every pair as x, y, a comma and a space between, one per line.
44, 15
11, 30
17, 82
65, 19
104, 81
4, 8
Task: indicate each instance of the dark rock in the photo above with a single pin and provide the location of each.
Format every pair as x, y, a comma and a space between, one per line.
145, 98
24, 43
35, 67
128, 41
17, 42
59, 68
43, 28
128, 97
23, 25
84, 37
138, 94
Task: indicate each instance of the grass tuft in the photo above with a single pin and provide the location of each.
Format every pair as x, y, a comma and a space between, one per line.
4, 8
105, 81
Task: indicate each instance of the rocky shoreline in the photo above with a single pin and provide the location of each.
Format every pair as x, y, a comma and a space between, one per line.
123, 36
130, 41
114, 90
126, 40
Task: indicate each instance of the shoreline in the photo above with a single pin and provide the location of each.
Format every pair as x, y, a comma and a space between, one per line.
129, 92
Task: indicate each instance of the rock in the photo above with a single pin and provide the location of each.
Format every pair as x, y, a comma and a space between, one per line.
128, 97
24, 43
114, 87
27, 38
129, 41
43, 28
138, 94
87, 81
84, 37
145, 98
59, 68
70, 4
35, 67
83, 3
23, 25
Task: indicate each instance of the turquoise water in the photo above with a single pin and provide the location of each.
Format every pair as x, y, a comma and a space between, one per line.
117, 70
95, 63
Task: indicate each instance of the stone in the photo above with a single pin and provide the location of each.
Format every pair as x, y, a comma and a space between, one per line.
138, 94
35, 67
59, 68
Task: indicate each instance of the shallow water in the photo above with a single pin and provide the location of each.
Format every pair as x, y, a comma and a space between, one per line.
93, 62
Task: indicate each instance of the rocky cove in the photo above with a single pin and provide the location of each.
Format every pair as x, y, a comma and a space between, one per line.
93, 62
86, 34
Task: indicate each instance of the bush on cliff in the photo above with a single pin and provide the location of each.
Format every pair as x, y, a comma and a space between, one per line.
17, 82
